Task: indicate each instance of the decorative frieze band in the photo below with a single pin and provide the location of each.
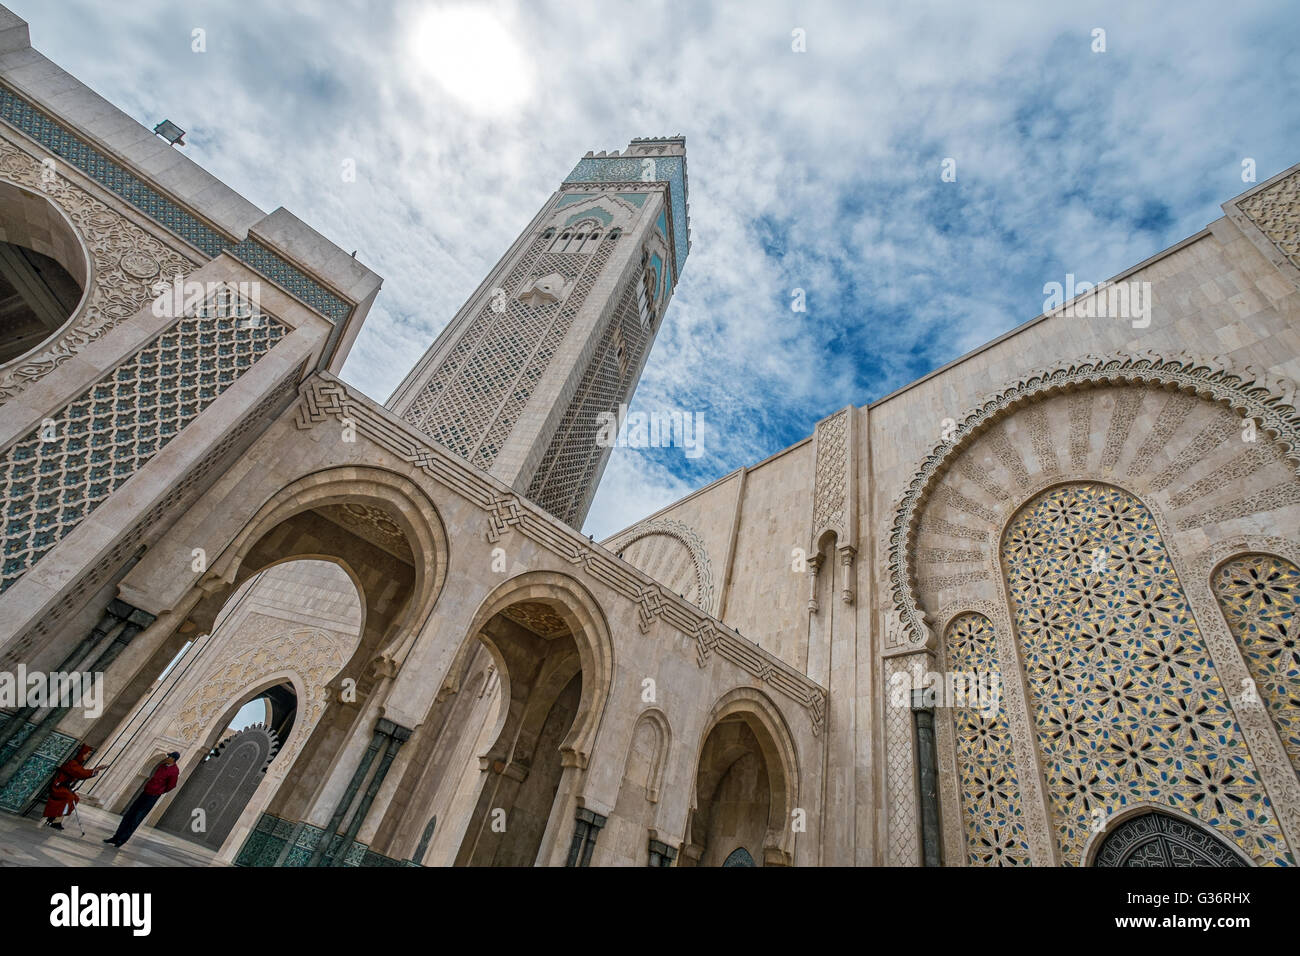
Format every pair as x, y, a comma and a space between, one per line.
1253, 394
324, 397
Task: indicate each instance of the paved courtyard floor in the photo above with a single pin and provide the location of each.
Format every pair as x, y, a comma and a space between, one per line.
25, 841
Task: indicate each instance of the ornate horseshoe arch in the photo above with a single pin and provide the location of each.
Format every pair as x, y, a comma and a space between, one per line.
685, 535
1248, 392
914, 626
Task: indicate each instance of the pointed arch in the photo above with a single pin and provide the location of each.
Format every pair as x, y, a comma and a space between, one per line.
586, 621
1258, 594
403, 501
1150, 834
776, 744
655, 722
1121, 681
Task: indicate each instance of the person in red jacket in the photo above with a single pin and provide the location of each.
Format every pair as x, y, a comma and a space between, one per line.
62, 797
162, 781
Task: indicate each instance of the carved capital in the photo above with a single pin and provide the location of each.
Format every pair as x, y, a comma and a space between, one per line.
847, 553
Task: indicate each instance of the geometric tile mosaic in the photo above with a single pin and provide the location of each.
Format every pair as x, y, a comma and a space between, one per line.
1260, 598
266, 842
1127, 704
58, 473
630, 169
990, 792
30, 780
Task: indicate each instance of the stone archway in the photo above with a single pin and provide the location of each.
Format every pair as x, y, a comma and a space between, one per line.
671, 552
553, 656
745, 787
377, 508
260, 647
383, 531
1198, 403
221, 787
507, 739
1174, 433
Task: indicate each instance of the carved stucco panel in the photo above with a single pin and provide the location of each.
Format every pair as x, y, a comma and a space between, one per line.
126, 261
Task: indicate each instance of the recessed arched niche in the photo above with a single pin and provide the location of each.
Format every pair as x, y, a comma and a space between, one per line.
44, 272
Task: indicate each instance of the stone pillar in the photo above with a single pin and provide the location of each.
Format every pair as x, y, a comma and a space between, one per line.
847, 553
585, 831
345, 801
837, 834
396, 735
661, 854
927, 773
133, 622
813, 564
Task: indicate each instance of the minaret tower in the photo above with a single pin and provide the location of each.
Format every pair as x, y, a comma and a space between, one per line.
560, 329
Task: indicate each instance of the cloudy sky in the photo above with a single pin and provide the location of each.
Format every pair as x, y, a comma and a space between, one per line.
817, 170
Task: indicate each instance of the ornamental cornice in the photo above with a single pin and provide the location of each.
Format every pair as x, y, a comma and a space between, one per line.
323, 397
1269, 400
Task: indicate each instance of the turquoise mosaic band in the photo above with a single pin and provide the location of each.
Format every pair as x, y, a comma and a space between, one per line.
30, 780
267, 841
612, 169
172, 216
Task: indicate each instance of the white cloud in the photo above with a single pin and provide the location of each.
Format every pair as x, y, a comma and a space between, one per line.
461, 128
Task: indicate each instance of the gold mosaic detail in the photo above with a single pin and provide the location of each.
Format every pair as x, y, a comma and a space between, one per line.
990, 791
1260, 598
1127, 705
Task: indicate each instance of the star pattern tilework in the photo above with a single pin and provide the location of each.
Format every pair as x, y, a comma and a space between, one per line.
1127, 705
1260, 598
990, 792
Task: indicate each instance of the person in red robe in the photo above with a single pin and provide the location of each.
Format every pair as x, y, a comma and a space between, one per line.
63, 799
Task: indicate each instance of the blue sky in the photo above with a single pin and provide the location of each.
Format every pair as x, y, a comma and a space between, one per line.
817, 170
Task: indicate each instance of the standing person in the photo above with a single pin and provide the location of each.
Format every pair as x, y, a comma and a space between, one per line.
62, 797
163, 781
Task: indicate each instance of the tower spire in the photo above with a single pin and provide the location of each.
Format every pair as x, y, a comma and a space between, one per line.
560, 328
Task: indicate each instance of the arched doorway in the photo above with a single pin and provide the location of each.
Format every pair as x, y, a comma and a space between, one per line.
500, 755
739, 857
733, 798
209, 803
745, 787
241, 704
541, 692
1159, 839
